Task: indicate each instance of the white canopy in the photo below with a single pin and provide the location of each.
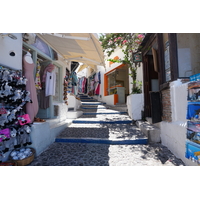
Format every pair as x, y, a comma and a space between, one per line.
82, 67
79, 47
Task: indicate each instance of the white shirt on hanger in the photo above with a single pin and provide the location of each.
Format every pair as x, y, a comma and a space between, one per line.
50, 83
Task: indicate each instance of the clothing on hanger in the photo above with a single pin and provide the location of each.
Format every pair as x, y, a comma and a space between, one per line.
48, 68
50, 83
31, 108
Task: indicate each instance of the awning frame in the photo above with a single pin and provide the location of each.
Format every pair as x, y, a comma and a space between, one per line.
81, 57
67, 37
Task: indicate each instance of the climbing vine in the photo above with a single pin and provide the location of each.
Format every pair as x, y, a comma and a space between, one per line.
129, 43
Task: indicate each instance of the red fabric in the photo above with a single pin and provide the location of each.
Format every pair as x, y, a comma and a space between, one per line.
97, 90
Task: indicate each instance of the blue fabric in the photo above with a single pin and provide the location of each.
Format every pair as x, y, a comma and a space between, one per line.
74, 79
191, 109
99, 77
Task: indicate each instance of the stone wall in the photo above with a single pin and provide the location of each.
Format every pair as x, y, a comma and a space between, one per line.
166, 104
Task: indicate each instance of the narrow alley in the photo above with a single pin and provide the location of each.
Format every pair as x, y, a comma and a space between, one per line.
104, 136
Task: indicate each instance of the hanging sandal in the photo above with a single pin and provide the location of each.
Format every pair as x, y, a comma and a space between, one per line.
36, 119
39, 120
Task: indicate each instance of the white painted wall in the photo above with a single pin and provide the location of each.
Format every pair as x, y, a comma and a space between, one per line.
173, 134
135, 104
73, 102
8, 45
62, 110
109, 100
118, 52
44, 134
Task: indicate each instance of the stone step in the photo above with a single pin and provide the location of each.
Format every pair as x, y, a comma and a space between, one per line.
89, 121
93, 107
104, 134
103, 113
92, 103
151, 131
102, 141
74, 114
104, 118
118, 108
87, 99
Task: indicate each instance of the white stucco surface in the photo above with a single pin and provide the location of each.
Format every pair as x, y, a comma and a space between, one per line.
135, 104
62, 110
109, 100
118, 52
8, 45
173, 134
73, 102
44, 134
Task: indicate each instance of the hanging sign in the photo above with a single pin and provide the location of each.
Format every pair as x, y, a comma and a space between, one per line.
137, 57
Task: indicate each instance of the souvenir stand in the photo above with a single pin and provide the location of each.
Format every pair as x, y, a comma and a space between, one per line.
193, 123
15, 124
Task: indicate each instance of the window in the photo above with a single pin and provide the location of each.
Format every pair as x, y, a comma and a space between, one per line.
188, 49
111, 80
42, 46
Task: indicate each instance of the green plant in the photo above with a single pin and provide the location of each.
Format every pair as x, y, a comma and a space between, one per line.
129, 43
137, 89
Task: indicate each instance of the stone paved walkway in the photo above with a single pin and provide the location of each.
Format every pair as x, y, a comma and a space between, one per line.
73, 154
90, 154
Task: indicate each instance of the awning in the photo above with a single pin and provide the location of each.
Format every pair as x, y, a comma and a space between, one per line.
82, 67
79, 47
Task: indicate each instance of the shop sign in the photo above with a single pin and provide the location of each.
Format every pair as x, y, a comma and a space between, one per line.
137, 57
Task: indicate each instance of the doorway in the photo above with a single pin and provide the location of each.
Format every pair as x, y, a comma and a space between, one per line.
152, 108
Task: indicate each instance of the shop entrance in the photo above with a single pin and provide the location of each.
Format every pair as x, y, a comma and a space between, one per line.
116, 82
152, 106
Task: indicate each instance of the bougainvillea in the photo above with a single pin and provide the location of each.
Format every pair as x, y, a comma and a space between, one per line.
130, 44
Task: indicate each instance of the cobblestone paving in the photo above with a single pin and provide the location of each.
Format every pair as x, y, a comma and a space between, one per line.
105, 117
78, 154
88, 154
108, 131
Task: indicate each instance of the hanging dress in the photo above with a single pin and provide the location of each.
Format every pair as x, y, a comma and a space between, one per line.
31, 108
44, 100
